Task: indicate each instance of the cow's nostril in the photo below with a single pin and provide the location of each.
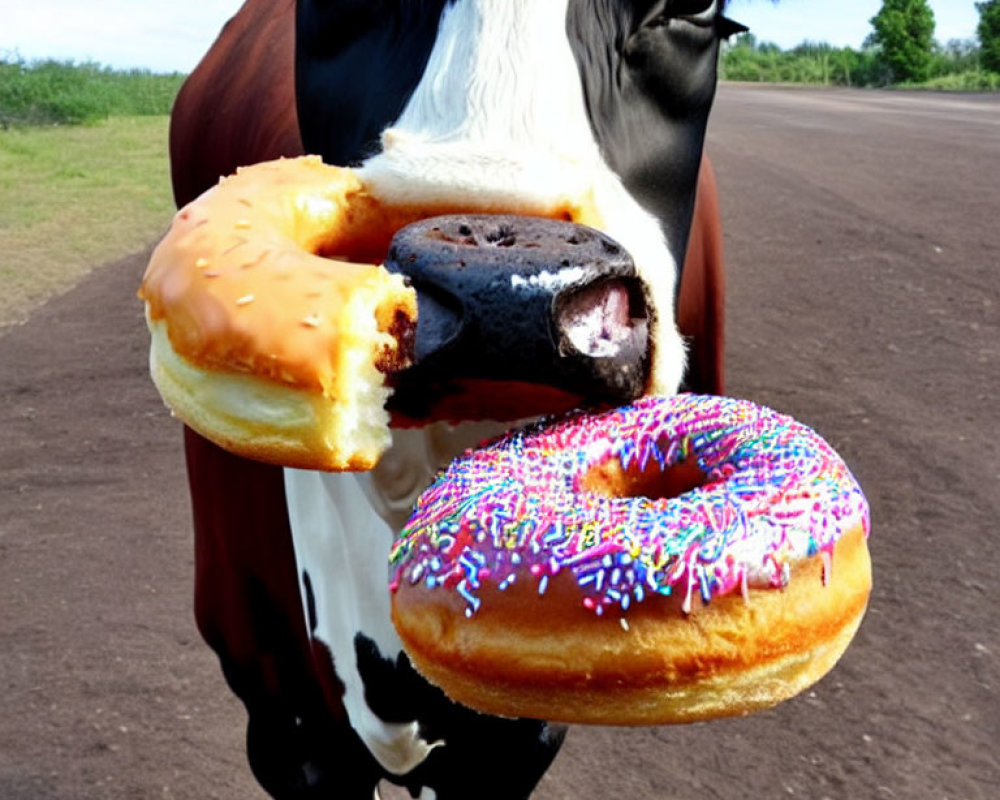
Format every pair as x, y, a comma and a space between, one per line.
440, 320
579, 236
604, 320
502, 236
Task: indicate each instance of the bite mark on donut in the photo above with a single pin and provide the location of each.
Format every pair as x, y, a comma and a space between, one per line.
398, 354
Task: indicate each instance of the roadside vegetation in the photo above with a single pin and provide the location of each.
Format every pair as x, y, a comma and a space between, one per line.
64, 93
955, 66
901, 51
83, 174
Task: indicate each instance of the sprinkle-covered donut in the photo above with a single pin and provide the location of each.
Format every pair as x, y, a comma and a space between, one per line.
677, 559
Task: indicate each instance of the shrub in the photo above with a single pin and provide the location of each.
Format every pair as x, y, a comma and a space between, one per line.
64, 93
989, 33
904, 35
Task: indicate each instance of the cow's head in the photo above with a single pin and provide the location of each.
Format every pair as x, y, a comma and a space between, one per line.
579, 111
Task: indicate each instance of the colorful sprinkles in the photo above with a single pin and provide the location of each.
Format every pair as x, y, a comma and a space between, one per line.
516, 510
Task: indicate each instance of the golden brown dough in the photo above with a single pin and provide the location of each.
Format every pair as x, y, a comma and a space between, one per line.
736, 655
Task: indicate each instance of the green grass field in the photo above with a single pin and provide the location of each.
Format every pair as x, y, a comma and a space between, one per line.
75, 197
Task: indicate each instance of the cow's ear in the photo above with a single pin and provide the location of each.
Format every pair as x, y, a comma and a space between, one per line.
729, 27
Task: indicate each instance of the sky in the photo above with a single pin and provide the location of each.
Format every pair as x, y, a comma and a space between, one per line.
171, 36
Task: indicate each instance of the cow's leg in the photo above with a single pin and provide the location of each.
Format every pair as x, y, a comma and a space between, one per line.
312, 758
248, 608
701, 298
490, 758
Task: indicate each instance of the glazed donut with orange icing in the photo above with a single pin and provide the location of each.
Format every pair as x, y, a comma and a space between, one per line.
674, 560
273, 325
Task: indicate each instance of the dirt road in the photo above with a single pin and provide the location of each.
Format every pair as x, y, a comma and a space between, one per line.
864, 297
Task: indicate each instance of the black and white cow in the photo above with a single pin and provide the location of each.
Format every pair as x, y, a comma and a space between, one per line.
547, 101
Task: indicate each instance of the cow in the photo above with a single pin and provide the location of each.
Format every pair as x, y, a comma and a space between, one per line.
291, 565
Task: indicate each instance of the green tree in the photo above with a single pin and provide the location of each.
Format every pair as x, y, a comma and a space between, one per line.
904, 34
989, 34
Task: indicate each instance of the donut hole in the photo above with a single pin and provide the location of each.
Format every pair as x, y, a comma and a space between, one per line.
611, 479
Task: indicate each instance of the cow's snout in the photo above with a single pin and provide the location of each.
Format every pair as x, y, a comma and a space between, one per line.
507, 305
